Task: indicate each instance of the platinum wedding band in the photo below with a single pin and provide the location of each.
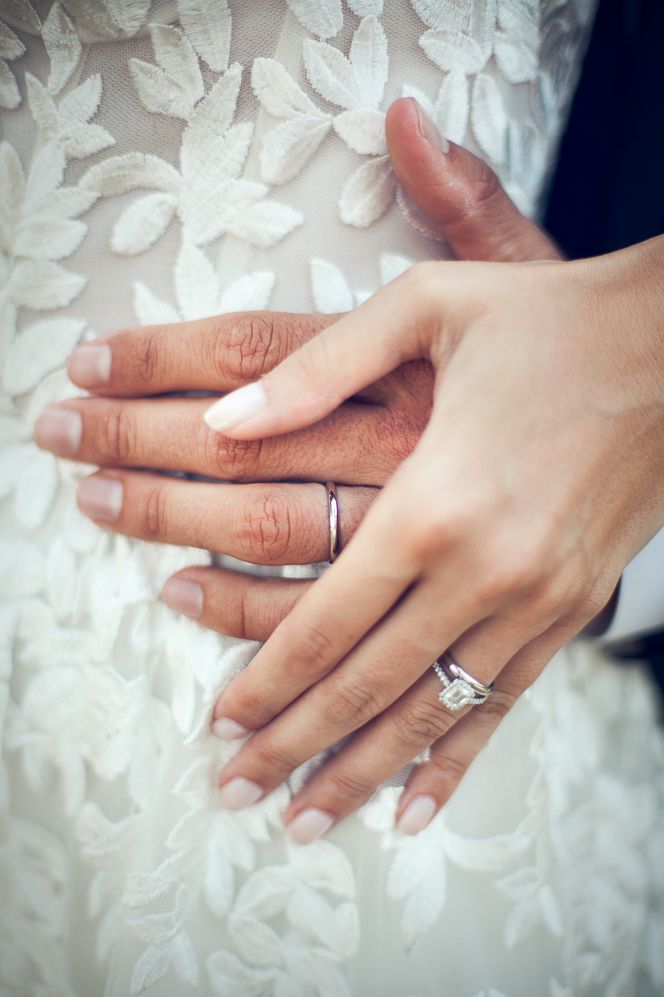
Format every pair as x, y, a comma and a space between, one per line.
333, 520
459, 688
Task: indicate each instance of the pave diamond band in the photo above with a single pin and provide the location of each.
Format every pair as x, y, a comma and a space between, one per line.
459, 688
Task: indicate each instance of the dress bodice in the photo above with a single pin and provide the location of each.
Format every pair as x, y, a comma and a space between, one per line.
167, 160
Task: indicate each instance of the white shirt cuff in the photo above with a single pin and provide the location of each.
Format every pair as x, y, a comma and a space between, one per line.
640, 608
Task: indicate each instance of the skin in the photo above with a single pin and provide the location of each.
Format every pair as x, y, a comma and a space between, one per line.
374, 435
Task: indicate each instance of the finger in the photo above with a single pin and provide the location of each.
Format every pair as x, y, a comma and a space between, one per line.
397, 736
459, 192
324, 626
351, 446
263, 524
367, 682
432, 783
232, 602
394, 326
219, 353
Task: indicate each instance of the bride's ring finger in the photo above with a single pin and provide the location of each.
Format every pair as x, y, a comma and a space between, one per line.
262, 523
418, 718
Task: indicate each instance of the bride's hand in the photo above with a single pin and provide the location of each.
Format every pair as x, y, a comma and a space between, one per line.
538, 477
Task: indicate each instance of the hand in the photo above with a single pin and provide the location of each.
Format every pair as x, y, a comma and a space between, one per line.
359, 445
538, 477
276, 523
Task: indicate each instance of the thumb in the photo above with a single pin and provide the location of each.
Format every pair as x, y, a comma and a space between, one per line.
460, 193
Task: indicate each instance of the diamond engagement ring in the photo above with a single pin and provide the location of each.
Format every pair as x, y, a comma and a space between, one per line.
333, 520
459, 688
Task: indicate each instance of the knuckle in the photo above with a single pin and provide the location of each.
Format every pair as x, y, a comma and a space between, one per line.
427, 534
595, 598
554, 597
312, 650
269, 527
424, 281
483, 190
349, 785
420, 723
511, 578
400, 434
449, 771
156, 521
232, 459
118, 434
494, 709
518, 567
147, 359
248, 702
275, 758
351, 704
249, 347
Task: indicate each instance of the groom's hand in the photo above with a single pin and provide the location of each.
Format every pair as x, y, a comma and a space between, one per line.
359, 446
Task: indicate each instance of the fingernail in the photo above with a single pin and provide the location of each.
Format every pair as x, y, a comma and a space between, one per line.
228, 729
309, 825
429, 131
90, 365
239, 792
417, 814
184, 596
59, 430
237, 407
100, 497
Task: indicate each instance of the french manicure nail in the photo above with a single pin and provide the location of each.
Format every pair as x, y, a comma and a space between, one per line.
184, 596
59, 430
236, 407
429, 131
239, 792
228, 729
100, 497
309, 825
417, 814
90, 365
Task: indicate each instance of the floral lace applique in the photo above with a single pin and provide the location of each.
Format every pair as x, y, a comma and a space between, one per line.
105, 695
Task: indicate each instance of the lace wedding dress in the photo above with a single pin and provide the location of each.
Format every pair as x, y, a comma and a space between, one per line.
167, 160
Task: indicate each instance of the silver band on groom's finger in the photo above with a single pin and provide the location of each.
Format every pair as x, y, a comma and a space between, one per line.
459, 687
333, 520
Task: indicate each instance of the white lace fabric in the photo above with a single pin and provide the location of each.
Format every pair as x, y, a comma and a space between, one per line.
165, 161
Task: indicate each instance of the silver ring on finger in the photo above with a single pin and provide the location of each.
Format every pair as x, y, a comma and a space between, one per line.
459, 687
334, 532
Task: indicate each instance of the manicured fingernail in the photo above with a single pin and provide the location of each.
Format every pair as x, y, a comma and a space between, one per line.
417, 814
184, 596
429, 131
100, 497
239, 792
237, 407
228, 729
309, 825
90, 365
59, 430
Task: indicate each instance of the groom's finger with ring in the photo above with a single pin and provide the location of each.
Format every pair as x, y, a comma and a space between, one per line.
170, 434
323, 629
262, 523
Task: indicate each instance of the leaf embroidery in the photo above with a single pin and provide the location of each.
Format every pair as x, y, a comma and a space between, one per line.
175, 84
